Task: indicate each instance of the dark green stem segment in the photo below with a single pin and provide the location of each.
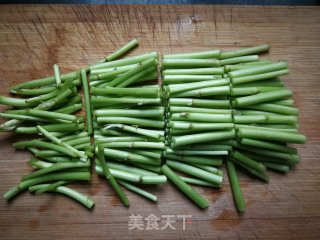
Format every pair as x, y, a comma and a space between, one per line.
87, 101
114, 184
235, 185
184, 187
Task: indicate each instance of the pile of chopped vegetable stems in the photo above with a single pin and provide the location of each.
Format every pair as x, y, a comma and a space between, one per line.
212, 107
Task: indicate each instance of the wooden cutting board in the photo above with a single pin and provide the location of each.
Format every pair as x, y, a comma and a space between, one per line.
34, 37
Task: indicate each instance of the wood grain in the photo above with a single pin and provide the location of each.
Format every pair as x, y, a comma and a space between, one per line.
33, 37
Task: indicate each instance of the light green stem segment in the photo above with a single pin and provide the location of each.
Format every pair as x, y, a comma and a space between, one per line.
110, 178
55, 167
190, 63
197, 172
51, 187
48, 177
195, 55
259, 77
253, 70
244, 51
137, 92
271, 135
149, 113
57, 74
268, 145
249, 162
42, 144
235, 185
261, 98
125, 61
59, 142
176, 88
138, 191
202, 117
194, 71
127, 47
140, 131
187, 189
242, 59
87, 101
202, 137
83, 199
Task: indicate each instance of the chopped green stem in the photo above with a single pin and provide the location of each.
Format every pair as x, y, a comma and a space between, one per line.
276, 108
202, 117
110, 178
254, 70
198, 152
249, 162
126, 48
51, 187
131, 177
176, 109
83, 199
261, 98
24, 117
138, 191
35, 91
258, 77
194, 171
153, 113
42, 144
243, 91
241, 59
208, 168
260, 175
70, 109
244, 51
268, 145
62, 127
138, 92
204, 92
250, 119
87, 101
277, 166
59, 142
55, 167
194, 55
54, 177
199, 182
134, 121
57, 74
187, 189
44, 81
178, 79
154, 145
132, 73
271, 135
105, 101
130, 157
207, 103
194, 71
130, 169
235, 186
191, 63
125, 61
200, 126
176, 88
202, 137
198, 159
